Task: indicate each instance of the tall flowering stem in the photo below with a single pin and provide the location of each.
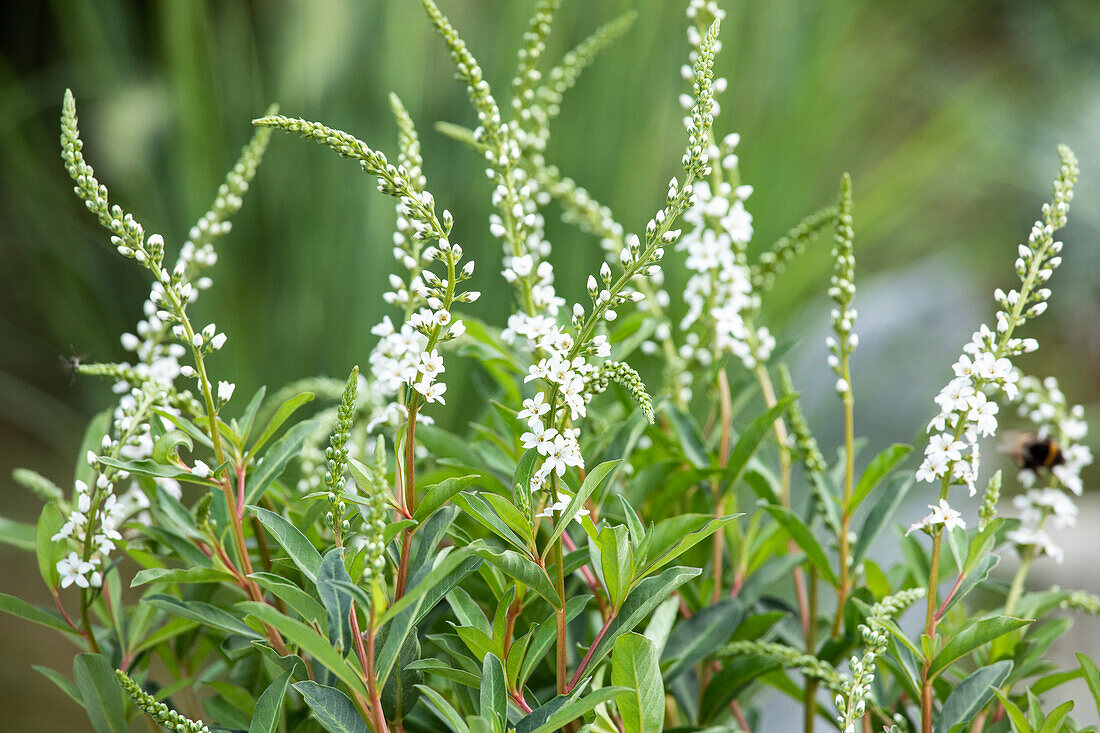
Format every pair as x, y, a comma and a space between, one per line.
966, 410
842, 290
430, 325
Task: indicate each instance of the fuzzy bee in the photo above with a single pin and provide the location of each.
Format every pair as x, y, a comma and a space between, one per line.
1030, 452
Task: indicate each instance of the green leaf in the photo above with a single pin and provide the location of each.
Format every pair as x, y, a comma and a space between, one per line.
1092, 677
49, 552
22, 609
439, 494
204, 613
101, 693
689, 437
276, 458
180, 575
484, 514
639, 604
303, 603
674, 536
493, 695
445, 567
300, 550
149, 467
880, 467
436, 668
281, 416
748, 442
335, 599
616, 562
519, 568
248, 417
1019, 720
634, 666
729, 682
883, 510
444, 710
17, 534
61, 681
332, 708
266, 714
695, 638
400, 695
1055, 717
308, 640
167, 446
798, 531
591, 482
572, 709
971, 695
972, 637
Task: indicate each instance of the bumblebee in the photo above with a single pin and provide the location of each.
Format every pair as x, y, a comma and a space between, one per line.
1031, 452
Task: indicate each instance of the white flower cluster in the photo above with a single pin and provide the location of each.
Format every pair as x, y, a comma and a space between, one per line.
566, 371
1060, 429
968, 409
408, 357
97, 513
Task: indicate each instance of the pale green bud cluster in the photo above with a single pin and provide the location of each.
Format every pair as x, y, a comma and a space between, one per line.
624, 375
809, 665
158, 711
842, 290
772, 262
988, 511
37, 484
336, 456
695, 160
375, 513
851, 704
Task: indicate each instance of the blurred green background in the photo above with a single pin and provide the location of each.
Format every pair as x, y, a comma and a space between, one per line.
946, 113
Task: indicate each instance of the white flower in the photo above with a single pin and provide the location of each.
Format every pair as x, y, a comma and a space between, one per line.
560, 505
225, 391
74, 570
539, 438
431, 364
941, 514
201, 470
534, 409
218, 341
432, 391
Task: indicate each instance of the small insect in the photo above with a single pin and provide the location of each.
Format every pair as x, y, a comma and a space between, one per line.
72, 364
1031, 452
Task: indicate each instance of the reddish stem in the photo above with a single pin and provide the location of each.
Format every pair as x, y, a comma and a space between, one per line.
588, 655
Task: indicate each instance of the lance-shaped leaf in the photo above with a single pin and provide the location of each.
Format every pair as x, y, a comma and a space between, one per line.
204, 613
634, 666
798, 531
971, 695
669, 539
520, 569
277, 457
645, 597
878, 469
336, 600
591, 482
99, 689
563, 709
972, 637
616, 562
331, 708
703, 634
282, 414
439, 494
266, 714
494, 694
300, 550
748, 442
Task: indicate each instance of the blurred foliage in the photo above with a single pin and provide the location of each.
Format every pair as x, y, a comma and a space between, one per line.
946, 112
